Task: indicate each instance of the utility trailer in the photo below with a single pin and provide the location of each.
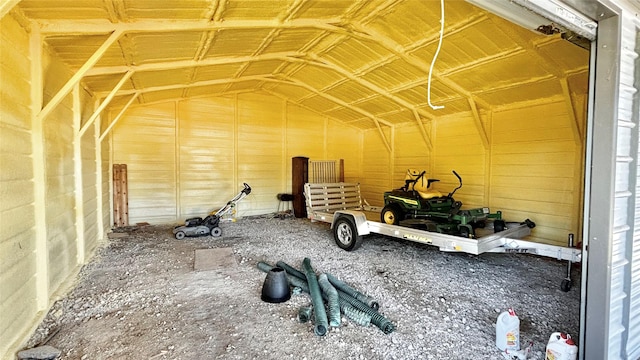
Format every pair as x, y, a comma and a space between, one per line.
341, 205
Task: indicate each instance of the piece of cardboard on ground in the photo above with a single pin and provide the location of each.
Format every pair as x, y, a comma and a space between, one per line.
214, 259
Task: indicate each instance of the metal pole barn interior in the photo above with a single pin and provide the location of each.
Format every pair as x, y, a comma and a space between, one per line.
610, 311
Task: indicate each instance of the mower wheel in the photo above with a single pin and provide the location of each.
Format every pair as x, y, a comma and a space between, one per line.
345, 234
216, 231
391, 214
565, 285
499, 225
180, 235
465, 231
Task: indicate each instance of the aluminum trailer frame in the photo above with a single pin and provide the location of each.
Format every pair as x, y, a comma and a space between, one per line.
329, 202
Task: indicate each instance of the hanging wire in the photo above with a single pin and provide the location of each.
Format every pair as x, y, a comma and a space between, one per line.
434, 107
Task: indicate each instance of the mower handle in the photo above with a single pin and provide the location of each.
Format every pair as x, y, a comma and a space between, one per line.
459, 186
247, 189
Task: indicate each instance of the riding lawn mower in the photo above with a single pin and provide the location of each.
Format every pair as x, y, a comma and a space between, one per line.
436, 212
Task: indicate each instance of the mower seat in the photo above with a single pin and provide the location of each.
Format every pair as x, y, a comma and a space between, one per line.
414, 181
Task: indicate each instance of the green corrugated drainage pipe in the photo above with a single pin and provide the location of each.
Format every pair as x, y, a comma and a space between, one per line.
353, 314
319, 313
339, 284
376, 318
332, 300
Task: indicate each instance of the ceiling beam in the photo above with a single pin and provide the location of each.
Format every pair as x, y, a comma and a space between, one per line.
105, 102
117, 118
479, 125
6, 6
573, 120
75, 79
91, 27
170, 65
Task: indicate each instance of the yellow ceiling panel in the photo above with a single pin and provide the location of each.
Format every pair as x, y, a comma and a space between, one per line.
294, 93
399, 117
414, 20
266, 67
347, 114
245, 85
394, 74
563, 54
501, 72
150, 79
214, 72
354, 54
64, 9
155, 47
327, 9
378, 105
76, 50
317, 77
470, 46
350, 91
318, 102
347, 59
104, 83
292, 40
537, 90
162, 95
254, 9
165, 9
237, 42
207, 90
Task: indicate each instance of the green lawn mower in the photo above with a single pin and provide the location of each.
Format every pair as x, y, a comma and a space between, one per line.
433, 210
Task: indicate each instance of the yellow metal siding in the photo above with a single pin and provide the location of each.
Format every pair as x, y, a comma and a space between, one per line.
344, 142
145, 140
89, 191
59, 173
411, 152
206, 157
260, 151
458, 147
18, 302
221, 143
376, 165
534, 164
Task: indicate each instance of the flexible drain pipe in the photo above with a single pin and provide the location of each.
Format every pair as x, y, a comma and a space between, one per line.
359, 317
341, 285
377, 319
319, 313
332, 300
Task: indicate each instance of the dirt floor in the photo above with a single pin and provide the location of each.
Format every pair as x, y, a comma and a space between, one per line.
145, 296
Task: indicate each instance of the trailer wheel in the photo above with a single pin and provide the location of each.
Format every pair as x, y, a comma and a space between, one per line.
391, 214
180, 235
566, 285
216, 231
345, 234
499, 225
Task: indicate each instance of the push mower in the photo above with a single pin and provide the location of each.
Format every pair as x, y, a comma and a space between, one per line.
437, 212
210, 225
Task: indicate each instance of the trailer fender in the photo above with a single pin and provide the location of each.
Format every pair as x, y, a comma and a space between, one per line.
358, 218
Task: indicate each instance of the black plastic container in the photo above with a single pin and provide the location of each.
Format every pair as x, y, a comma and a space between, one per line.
276, 286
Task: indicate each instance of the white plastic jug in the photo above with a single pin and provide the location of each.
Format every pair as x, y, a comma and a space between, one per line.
508, 331
561, 347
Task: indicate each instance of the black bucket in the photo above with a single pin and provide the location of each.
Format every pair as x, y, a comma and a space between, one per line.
276, 286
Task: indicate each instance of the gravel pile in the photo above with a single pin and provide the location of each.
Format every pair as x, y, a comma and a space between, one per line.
140, 298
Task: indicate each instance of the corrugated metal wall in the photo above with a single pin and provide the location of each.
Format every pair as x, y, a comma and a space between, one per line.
187, 158
44, 234
624, 326
18, 303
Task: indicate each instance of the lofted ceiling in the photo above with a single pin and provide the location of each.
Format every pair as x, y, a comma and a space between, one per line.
366, 63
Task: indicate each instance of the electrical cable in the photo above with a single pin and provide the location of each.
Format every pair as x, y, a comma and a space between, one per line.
435, 56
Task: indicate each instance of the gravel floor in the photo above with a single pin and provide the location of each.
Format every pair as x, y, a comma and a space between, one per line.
140, 298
